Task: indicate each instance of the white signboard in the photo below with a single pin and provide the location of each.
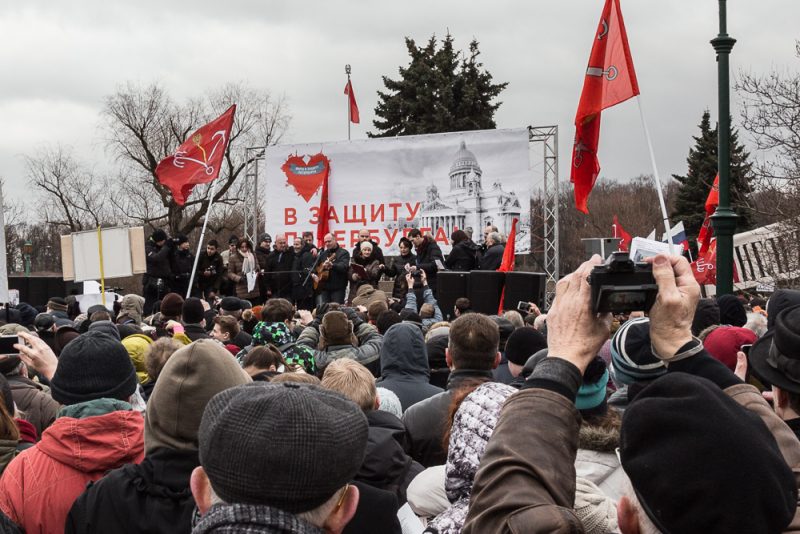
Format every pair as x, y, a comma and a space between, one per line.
116, 254
437, 183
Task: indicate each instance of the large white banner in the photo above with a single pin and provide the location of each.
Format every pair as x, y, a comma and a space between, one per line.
437, 183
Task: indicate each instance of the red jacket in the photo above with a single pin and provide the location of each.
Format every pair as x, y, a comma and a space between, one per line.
40, 485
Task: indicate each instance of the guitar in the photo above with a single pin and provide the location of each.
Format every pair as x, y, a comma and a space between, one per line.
323, 271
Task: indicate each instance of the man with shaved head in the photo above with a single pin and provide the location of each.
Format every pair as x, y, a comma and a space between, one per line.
330, 272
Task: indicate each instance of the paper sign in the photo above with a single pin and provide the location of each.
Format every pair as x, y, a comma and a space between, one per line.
646, 248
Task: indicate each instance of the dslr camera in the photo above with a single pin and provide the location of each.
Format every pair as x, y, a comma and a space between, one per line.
621, 286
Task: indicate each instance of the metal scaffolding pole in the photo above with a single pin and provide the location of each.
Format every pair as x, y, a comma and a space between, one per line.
548, 136
251, 201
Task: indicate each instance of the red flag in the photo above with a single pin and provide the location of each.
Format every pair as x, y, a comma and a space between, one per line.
609, 80
323, 226
198, 159
705, 268
706, 233
348, 90
619, 231
508, 260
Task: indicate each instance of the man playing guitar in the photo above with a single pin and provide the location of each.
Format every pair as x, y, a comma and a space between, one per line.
329, 272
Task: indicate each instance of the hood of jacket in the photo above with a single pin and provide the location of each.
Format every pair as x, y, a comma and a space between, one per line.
604, 438
96, 443
276, 333
403, 352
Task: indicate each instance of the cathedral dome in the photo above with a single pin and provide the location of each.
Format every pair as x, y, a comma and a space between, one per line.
464, 161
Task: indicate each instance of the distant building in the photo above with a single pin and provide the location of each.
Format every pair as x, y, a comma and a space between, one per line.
467, 203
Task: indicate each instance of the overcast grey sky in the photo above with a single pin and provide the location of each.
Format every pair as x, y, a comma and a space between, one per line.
59, 59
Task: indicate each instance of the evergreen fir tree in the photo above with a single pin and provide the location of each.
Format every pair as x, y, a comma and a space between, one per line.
437, 92
702, 168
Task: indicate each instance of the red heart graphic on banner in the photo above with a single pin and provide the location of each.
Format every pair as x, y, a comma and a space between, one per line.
306, 177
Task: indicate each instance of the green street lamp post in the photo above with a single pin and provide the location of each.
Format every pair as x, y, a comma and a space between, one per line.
724, 218
27, 250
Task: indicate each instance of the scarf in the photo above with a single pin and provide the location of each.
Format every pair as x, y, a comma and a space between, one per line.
251, 519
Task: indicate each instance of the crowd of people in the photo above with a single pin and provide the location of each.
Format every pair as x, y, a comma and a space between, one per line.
301, 272
367, 412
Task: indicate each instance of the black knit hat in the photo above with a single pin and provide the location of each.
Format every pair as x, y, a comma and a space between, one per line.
93, 366
706, 314
731, 310
193, 312
682, 434
523, 343
286, 445
181, 239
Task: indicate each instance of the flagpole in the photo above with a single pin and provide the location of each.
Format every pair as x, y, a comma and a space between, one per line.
202, 237
656, 177
347, 69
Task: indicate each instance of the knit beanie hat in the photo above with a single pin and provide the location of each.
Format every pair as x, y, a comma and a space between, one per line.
389, 402
632, 359
706, 314
93, 366
192, 312
682, 426
523, 343
189, 379
724, 342
64, 334
287, 445
158, 235
506, 329
44, 321
592, 393
106, 327
731, 311
336, 329
171, 305
27, 313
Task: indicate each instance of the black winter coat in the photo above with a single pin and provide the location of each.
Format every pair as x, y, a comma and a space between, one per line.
386, 465
301, 265
493, 257
158, 259
465, 256
398, 270
404, 365
213, 266
376, 512
427, 254
281, 283
427, 420
153, 497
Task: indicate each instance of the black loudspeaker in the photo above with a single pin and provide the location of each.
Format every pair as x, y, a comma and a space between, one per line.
450, 286
524, 286
485, 288
37, 289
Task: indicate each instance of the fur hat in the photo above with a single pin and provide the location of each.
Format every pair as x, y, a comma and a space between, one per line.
57, 304
158, 235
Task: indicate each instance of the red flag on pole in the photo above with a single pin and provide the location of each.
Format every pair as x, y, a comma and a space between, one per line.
323, 218
507, 264
624, 237
706, 233
609, 80
348, 90
198, 159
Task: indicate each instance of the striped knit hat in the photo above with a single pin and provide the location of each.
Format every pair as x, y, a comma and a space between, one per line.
632, 359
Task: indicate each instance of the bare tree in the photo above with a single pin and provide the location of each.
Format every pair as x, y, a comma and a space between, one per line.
144, 125
73, 197
771, 115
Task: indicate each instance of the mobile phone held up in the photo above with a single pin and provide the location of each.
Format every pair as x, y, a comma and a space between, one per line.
7, 345
524, 306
